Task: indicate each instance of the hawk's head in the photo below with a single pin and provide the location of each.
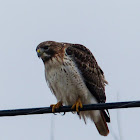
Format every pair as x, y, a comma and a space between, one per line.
49, 49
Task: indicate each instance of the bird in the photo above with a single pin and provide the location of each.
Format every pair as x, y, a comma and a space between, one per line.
75, 78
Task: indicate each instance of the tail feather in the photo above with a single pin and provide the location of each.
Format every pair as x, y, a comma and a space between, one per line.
101, 125
98, 118
106, 115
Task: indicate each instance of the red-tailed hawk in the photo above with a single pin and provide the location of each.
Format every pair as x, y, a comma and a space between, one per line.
75, 78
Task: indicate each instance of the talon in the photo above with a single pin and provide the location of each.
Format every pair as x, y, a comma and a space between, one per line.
54, 113
77, 105
56, 106
63, 113
73, 112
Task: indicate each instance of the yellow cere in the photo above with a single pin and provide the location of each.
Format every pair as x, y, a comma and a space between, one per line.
38, 50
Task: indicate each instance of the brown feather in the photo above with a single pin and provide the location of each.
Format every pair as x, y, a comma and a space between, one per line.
91, 72
101, 126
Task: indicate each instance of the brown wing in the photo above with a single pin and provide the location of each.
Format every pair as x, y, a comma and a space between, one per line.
92, 74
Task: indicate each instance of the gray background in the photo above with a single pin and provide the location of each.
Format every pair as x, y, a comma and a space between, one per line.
109, 28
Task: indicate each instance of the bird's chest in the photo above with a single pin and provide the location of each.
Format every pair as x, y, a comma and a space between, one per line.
66, 82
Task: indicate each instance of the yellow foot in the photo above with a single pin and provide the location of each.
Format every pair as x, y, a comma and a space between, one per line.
77, 105
56, 106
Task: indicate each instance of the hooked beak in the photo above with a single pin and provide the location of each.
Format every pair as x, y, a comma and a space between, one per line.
40, 52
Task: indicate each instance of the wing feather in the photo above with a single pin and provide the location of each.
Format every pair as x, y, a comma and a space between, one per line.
92, 74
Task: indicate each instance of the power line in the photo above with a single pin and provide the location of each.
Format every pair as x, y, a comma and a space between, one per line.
43, 110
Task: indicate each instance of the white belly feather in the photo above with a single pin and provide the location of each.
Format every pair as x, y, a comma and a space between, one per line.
66, 82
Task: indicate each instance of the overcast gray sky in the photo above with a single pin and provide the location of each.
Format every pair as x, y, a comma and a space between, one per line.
109, 28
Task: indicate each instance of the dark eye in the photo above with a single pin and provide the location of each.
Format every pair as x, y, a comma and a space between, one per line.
45, 47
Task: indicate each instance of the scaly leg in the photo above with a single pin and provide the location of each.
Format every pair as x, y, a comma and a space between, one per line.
56, 106
77, 105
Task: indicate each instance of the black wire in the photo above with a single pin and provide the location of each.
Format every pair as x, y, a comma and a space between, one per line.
43, 110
